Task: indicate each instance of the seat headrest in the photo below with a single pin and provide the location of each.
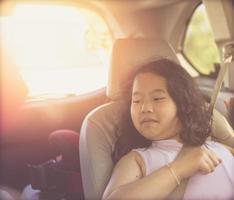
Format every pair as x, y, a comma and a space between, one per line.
131, 53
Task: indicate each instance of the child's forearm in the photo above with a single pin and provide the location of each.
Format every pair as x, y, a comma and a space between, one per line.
157, 185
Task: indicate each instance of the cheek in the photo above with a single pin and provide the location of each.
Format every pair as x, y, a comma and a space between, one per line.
134, 114
167, 111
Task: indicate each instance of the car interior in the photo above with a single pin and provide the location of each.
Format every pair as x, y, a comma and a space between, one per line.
138, 32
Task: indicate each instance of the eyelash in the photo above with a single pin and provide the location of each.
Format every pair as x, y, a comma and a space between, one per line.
155, 99
158, 99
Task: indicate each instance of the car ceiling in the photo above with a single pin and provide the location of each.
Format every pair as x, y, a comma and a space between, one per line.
151, 18
128, 18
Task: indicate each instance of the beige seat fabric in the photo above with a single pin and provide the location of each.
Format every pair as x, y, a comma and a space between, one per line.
99, 129
97, 138
128, 55
222, 130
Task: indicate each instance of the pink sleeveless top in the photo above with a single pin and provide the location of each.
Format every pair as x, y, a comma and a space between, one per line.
218, 185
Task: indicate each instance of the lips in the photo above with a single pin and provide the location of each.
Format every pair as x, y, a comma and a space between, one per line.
148, 120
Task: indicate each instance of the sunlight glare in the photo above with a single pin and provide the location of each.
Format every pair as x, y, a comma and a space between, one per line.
48, 40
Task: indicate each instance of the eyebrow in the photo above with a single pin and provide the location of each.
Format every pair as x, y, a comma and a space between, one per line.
158, 91
152, 92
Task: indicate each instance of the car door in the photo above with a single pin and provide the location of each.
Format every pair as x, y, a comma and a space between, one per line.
58, 74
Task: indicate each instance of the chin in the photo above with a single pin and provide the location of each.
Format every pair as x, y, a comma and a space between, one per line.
151, 135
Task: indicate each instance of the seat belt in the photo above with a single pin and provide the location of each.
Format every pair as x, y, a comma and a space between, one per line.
227, 58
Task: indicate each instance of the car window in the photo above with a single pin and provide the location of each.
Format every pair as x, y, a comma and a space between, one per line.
199, 46
60, 50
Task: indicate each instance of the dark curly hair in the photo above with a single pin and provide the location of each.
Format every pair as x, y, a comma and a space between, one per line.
191, 108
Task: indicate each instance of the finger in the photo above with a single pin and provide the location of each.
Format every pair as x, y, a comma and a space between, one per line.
206, 168
210, 164
212, 156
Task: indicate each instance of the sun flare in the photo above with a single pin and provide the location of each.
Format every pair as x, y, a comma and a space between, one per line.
57, 47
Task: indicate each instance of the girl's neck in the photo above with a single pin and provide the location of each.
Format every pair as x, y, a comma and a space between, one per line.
175, 137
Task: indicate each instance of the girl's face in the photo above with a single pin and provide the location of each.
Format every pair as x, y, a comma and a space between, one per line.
153, 111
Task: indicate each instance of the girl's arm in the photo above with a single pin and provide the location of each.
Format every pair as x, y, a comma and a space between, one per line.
128, 182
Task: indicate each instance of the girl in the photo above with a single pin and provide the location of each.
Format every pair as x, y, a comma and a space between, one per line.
166, 111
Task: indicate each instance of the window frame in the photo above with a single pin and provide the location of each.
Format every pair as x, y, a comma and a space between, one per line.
79, 6
182, 44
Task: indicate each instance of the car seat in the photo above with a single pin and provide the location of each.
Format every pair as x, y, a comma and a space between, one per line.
99, 129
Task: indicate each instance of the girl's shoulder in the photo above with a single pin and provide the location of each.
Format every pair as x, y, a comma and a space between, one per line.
132, 156
137, 154
130, 160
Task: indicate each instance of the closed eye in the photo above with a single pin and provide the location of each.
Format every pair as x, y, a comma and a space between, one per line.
135, 101
159, 98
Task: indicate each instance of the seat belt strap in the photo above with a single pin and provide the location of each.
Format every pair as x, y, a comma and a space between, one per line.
227, 58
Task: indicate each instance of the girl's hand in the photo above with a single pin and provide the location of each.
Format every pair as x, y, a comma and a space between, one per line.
195, 159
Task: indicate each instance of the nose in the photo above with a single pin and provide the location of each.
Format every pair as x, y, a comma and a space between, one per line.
147, 107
